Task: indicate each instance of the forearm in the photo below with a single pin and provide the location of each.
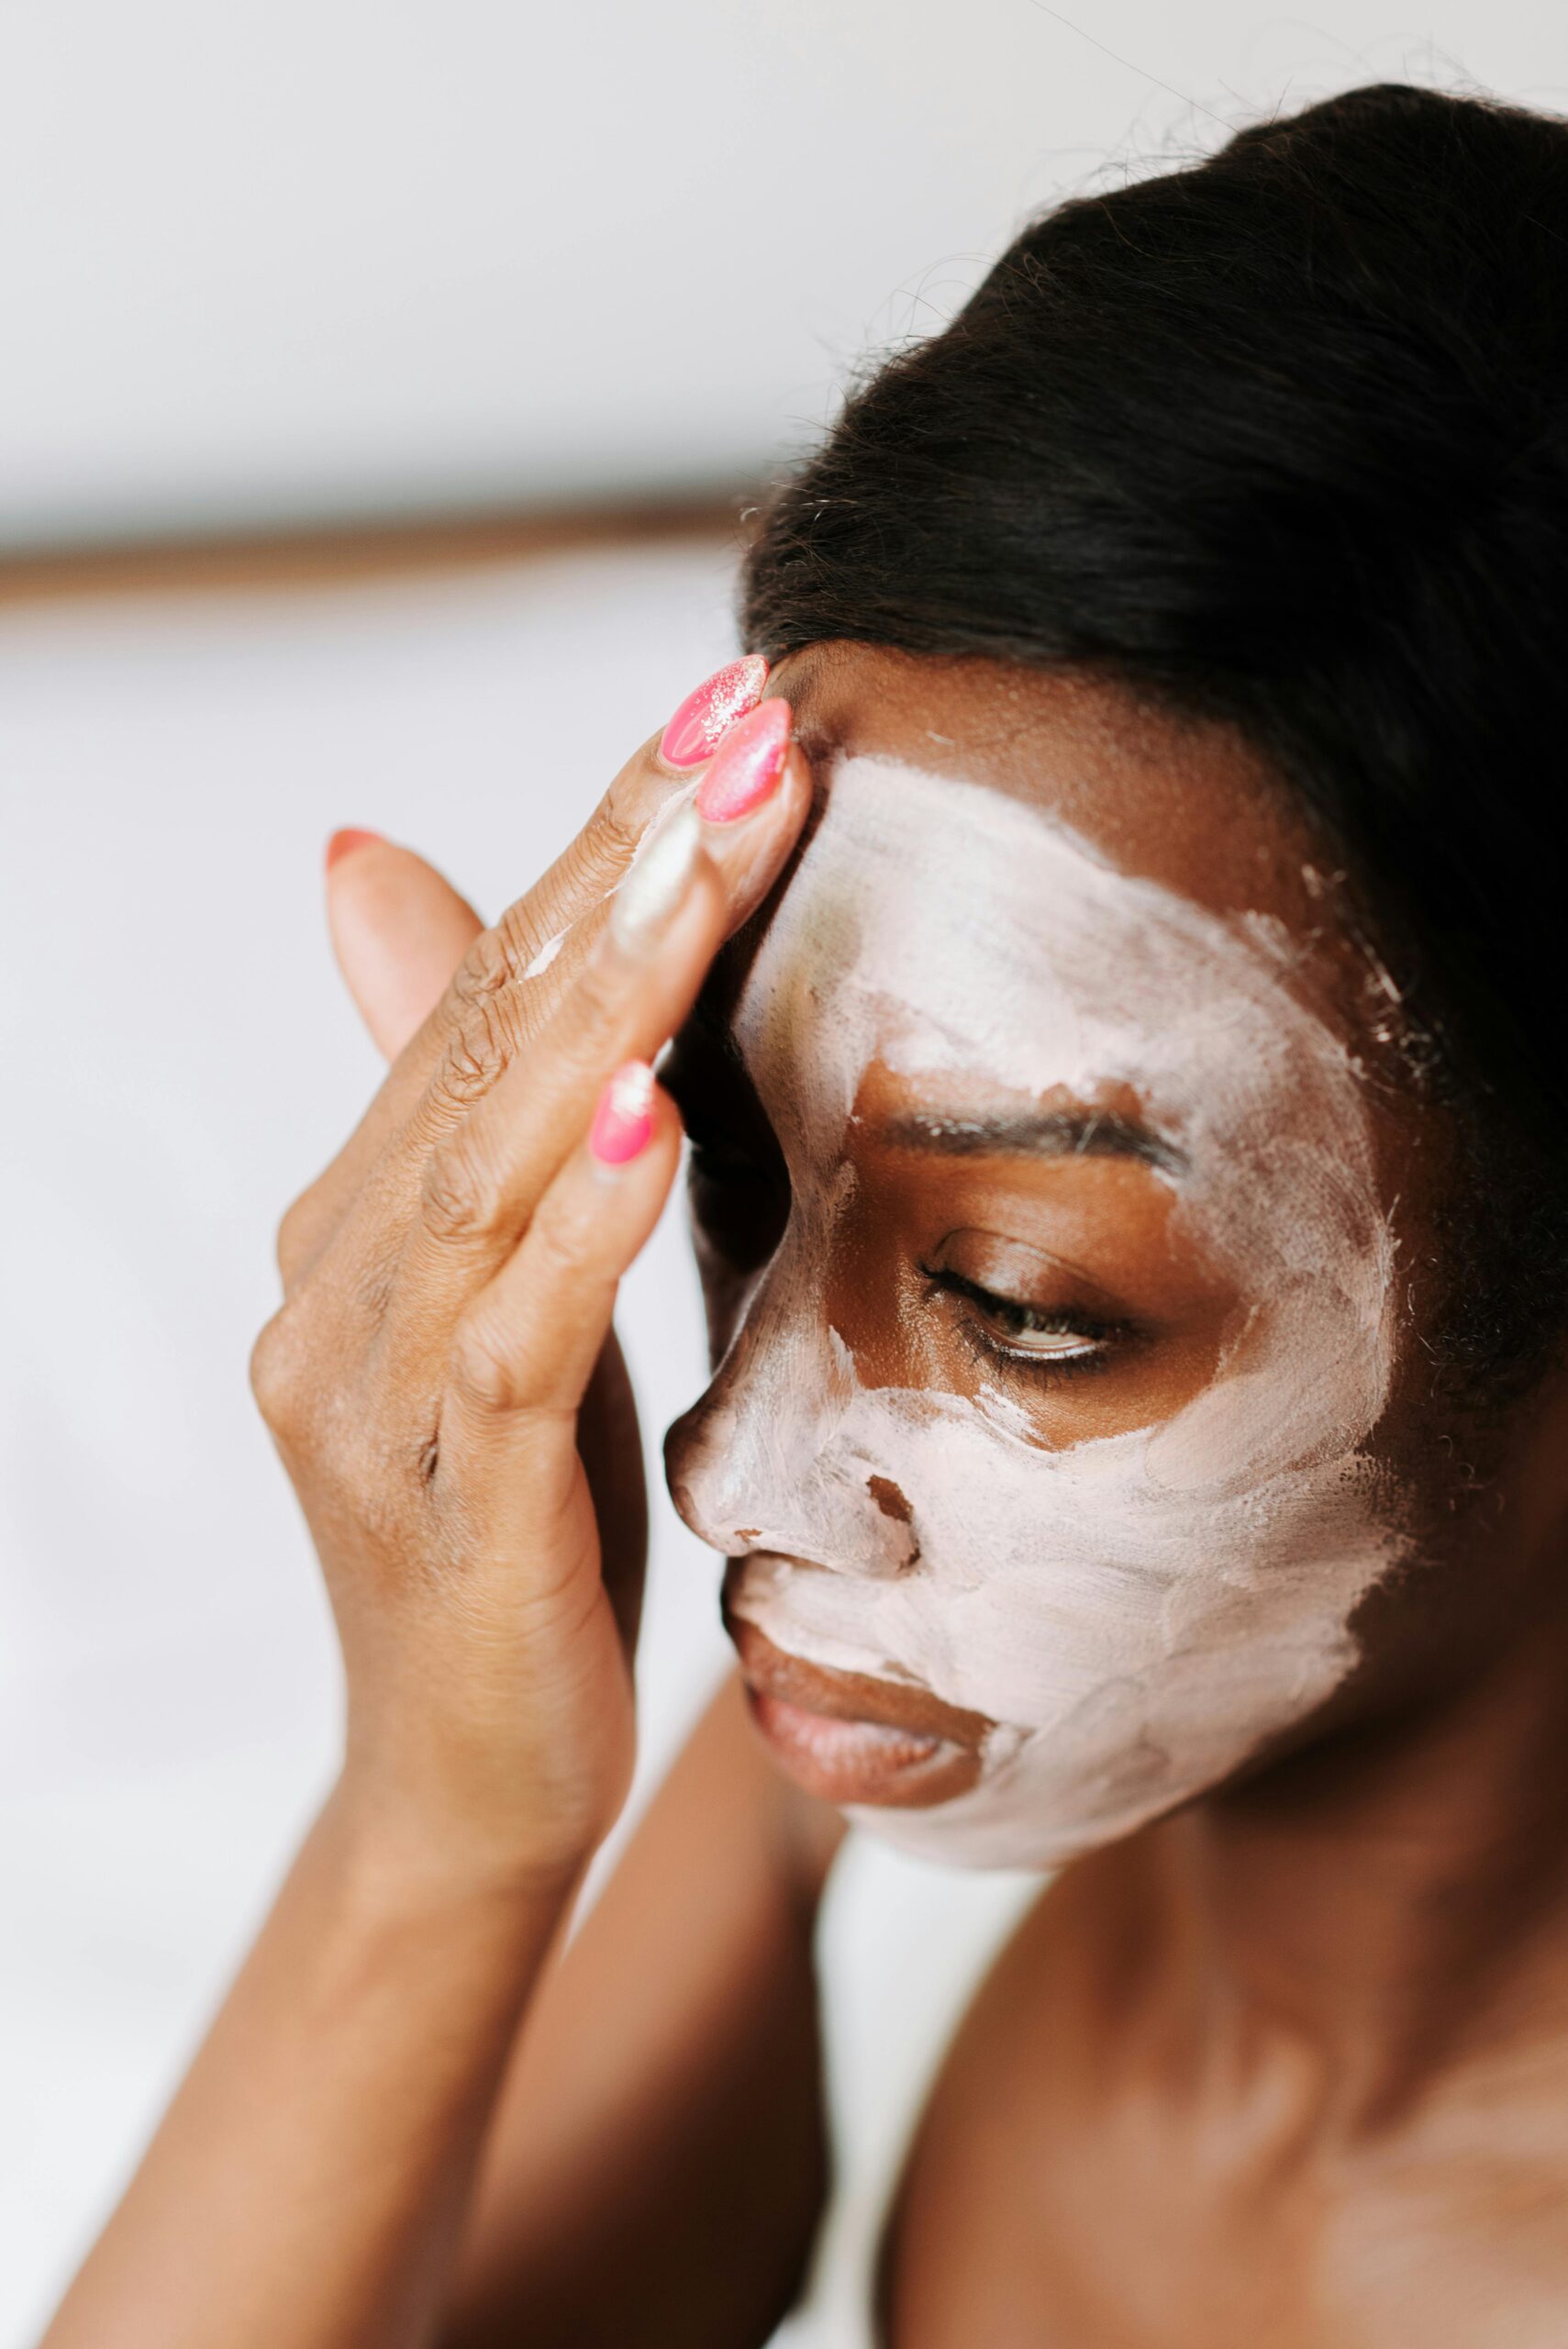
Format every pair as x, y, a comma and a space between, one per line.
307, 2183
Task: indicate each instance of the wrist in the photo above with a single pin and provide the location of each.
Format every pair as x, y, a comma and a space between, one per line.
394, 1866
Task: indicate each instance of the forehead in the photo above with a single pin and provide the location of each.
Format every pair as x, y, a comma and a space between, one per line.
982, 952
959, 943
1188, 807
1179, 802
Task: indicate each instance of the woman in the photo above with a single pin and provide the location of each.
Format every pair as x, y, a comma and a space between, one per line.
1112, 962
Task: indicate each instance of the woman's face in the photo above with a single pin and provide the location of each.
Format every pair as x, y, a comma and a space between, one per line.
1044, 1226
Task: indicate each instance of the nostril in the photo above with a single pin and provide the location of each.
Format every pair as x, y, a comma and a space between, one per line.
889, 1499
893, 1502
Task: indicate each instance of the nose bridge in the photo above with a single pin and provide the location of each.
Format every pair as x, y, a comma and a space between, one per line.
764, 1459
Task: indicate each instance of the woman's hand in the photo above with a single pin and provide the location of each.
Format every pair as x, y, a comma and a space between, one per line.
440, 1357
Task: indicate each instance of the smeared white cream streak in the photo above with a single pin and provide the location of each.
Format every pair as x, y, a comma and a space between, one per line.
1138, 1613
666, 817
548, 951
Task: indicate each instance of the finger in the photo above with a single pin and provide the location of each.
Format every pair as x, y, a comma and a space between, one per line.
527, 941
639, 795
747, 843
507, 986
526, 1347
399, 931
477, 1181
480, 1184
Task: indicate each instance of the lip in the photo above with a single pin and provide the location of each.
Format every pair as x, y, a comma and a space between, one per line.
848, 1737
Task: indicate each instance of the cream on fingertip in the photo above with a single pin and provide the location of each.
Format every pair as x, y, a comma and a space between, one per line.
655, 887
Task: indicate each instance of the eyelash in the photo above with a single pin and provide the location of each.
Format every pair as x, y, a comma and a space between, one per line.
1099, 1337
715, 1159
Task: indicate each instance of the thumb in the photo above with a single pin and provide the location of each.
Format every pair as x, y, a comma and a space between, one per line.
398, 930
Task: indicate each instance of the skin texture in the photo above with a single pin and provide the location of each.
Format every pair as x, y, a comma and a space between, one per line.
1109, 1504
1287, 2064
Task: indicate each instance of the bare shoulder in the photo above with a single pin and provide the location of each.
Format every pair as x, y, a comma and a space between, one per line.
1079, 2174
658, 2163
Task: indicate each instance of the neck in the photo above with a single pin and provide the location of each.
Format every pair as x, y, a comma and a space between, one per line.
1389, 1909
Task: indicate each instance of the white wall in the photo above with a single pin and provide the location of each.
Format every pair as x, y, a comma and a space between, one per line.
180, 1059
316, 255
268, 258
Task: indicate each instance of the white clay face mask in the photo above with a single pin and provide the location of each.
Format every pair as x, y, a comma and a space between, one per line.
1137, 1613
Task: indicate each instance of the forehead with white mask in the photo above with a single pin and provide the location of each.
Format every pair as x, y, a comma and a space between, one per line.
1063, 1317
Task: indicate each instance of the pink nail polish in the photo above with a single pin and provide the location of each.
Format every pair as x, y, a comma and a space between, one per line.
624, 1118
694, 733
749, 765
343, 844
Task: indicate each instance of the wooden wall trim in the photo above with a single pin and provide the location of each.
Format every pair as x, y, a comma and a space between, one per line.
341, 554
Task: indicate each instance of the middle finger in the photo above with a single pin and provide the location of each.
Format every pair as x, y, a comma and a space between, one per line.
516, 972
479, 1185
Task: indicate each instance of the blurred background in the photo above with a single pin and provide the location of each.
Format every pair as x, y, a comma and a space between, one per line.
382, 388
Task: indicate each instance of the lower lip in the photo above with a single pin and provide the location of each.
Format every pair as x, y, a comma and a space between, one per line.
847, 1762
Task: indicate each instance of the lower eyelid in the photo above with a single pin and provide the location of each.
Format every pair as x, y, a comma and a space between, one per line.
1070, 1351
1094, 1353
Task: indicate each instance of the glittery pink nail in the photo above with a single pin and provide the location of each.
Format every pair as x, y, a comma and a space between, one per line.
749, 765
623, 1121
706, 715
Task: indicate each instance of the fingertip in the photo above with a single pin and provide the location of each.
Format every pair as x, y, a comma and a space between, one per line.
344, 843
399, 931
710, 711
623, 1120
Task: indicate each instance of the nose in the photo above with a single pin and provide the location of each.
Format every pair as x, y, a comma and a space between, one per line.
768, 1458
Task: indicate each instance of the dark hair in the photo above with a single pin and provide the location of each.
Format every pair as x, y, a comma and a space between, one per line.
1282, 439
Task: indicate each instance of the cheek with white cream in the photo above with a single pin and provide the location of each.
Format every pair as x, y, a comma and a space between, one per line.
1137, 1613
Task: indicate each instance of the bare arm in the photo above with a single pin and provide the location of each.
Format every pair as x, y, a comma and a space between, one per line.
658, 2163
448, 1291
308, 2182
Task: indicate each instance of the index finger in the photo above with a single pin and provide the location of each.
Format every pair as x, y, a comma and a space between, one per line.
523, 943
524, 938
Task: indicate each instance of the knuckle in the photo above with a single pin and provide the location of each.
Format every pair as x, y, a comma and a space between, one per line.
297, 1235
635, 797
458, 1201
608, 838
558, 1246
485, 1367
484, 972
279, 1373
524, 928
476, 1055
325, 1421
575, 882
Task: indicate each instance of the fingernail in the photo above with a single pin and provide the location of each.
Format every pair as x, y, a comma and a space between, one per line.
694, 731
749, 765
624, 1118
655, 886
343, 844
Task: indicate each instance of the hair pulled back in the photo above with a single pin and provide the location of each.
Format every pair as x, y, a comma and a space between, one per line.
1280, 438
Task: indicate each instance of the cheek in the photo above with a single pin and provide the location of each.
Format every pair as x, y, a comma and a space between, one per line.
1076, 1594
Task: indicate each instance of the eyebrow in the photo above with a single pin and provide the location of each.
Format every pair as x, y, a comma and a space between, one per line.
1041, 1133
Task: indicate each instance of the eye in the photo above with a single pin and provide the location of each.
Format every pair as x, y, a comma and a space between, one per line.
1061, 1339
